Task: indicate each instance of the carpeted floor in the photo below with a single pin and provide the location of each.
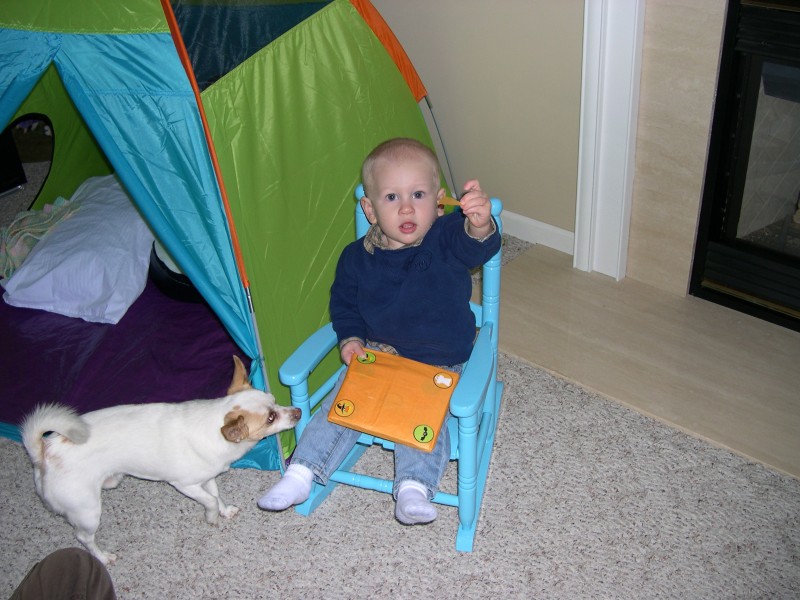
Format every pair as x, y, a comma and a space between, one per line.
586, 499
19, 200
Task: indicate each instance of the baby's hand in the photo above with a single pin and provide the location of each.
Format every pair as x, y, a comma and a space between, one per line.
351, 349
477, 208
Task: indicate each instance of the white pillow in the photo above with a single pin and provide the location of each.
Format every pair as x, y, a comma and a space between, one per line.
92, 265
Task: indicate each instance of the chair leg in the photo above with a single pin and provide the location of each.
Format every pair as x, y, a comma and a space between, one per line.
467, 481
469, 503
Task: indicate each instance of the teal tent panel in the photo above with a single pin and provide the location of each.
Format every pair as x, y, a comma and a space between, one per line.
136, 99
151, 130
23, 58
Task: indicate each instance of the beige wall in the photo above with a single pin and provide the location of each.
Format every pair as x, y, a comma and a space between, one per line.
682, 42
504, 78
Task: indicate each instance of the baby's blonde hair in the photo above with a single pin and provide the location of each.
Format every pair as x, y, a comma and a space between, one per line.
398, 149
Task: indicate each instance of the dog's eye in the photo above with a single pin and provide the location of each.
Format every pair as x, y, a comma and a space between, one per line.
271, 417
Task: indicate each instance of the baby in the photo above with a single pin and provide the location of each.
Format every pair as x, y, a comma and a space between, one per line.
403, 288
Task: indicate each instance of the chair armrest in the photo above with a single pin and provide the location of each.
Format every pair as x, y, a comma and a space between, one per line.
305, 359
474, 382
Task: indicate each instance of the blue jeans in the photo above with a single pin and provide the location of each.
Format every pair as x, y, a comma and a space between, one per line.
324, 445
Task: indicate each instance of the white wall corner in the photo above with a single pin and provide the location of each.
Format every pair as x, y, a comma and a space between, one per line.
612, 51
536, 232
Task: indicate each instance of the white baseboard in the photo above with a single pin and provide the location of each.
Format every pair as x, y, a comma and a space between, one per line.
536, 232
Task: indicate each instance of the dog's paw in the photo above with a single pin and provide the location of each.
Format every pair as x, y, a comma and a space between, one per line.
87, 539
113, 481
229, 511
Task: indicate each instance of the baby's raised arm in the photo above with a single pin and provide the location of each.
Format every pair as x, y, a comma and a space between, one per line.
477, 208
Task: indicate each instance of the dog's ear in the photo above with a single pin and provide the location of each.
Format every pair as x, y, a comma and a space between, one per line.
239, 381
235, 429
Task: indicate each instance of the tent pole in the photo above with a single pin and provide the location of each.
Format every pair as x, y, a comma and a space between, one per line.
452, 181
263, 365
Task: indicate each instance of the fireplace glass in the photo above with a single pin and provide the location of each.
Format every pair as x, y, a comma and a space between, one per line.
747, 254
770, 215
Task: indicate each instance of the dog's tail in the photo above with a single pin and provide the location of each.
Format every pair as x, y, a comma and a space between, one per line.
55, 418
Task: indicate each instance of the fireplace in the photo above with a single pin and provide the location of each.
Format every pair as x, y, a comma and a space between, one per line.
747, 254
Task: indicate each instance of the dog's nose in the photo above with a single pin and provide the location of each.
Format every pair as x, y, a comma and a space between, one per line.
296, 414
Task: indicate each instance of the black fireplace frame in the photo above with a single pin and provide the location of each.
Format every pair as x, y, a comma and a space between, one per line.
727, 270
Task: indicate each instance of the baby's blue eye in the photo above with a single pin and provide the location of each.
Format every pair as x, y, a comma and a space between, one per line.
391, 196
418, 195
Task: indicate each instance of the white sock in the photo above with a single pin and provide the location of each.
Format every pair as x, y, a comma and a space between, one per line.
293, 488
413, 506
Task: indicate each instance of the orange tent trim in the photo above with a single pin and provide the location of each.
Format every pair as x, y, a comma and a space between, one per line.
382, 31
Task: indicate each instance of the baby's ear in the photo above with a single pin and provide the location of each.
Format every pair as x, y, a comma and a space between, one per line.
366, 206
439, 206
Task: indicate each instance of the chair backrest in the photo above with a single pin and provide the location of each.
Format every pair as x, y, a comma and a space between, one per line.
488, 310
362, 225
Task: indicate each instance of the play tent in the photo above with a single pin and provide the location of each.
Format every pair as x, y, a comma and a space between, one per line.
238, 128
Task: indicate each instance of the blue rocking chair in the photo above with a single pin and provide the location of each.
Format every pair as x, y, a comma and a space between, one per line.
474, 405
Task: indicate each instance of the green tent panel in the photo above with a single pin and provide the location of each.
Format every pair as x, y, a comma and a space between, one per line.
294, 209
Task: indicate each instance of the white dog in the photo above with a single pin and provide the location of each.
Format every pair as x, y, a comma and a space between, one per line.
186, 444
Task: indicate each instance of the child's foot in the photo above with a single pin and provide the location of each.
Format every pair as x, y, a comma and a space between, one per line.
293, 488
413, 506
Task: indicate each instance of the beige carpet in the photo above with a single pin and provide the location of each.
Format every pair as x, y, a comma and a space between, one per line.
586, 499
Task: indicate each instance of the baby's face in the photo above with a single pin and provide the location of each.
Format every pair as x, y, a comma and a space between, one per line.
404, 200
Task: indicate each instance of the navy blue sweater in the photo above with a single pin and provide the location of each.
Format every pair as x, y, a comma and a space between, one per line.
416, 298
